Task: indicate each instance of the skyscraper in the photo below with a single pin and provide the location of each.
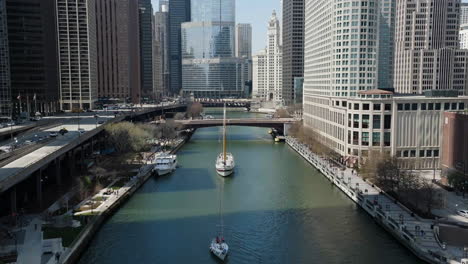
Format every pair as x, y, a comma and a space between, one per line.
117, 28
244, 53
32, 42
268, 78
76, 27
244, 40
146, 49
427, 47
463, 13
161, 51
344, 102
5, 88
293, 46
209, 66
179, 12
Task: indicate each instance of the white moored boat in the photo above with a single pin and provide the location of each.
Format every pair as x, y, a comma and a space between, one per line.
225, 162
165, 164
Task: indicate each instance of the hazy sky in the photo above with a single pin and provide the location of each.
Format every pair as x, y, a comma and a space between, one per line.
255, 12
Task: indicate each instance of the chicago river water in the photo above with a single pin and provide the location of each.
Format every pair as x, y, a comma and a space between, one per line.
277, 209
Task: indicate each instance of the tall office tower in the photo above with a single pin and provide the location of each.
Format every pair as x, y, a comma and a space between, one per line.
5, 88
179, 12
161, 51
386, 44
77, 48
146, 49
293, 46
244, 40
163, 6
270, 89
463, 13
209, 66
244, 52
427, 48
464, 36
32, 42
343, 101
117, 46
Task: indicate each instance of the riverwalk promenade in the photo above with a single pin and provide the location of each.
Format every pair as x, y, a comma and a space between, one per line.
418, 235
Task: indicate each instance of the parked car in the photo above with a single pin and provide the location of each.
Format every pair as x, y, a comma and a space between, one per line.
53, 134
463, 213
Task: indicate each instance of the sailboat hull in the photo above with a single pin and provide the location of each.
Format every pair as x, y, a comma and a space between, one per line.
224, 172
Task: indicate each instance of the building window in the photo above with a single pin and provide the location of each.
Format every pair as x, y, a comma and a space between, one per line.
377, 107
366, 107
356, 121
437, 106
376, 139
436, 153
388, 107
413, 153
405, 154
376, 122
421, 153
428, 153
447, 106
365, 121
388, 122
350, 119
414, 107
387, 139
356, 106
355, 138
454, 106
365, 138
461, 106
423, 106
400, 107
407, 107
398, 153
430, 106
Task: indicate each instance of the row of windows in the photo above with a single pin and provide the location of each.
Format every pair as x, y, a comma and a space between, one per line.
429, 153
431, 106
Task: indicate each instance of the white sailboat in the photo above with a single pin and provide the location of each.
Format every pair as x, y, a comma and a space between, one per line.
218, 246
225, 162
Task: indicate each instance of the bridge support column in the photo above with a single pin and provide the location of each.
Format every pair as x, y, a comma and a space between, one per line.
71, 164
14, 209
58, 173
39, 188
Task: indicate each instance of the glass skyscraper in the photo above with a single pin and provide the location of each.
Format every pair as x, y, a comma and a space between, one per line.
209, 65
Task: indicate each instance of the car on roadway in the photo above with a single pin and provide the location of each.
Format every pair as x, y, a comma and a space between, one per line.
101, 122
463, 213
81, 130
53, 134
63, 131
28, 142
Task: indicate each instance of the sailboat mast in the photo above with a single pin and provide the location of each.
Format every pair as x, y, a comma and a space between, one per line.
224, 134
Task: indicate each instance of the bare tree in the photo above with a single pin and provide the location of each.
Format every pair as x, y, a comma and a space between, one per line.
194, 110
128, 137
179, 116
282, 113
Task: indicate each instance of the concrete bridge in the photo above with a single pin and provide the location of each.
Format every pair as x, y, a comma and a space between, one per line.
277, 123
207, 102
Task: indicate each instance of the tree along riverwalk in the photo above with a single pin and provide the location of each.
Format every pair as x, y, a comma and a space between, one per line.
105, 210
418, 235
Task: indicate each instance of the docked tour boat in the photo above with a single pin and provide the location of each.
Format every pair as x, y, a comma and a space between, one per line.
165, 164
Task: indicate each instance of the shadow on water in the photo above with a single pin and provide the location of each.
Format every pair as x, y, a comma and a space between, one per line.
314, 235
189, 179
